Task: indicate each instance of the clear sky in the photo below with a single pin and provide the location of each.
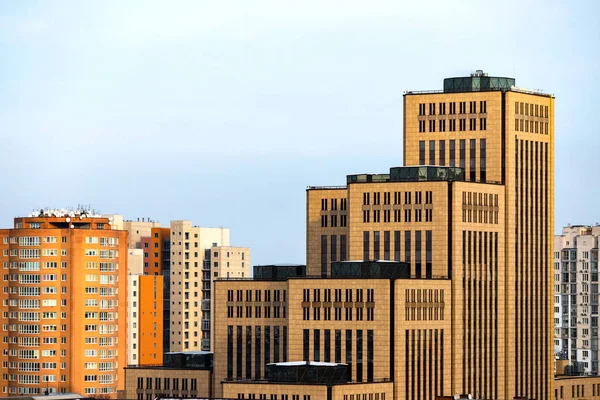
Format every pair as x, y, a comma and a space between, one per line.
223, 112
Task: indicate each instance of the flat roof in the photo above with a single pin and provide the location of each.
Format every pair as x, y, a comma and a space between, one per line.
301, 363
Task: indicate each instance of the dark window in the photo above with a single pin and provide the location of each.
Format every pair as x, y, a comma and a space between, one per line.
428, 265
386, 245
323, 255
422, 152
370, 355
359, 355
462, 153
257, 342
338, 346
276, 344
432, 152
472, 151
396, 245
248, 353
327, 346
407, 247
342, 247
229, 352
239, 353
349, 350
285, 343
376, 245
267, 345
317, 345
366, 239
333, 247
418, 253
306, 348
442, 152
452, 153
482, 161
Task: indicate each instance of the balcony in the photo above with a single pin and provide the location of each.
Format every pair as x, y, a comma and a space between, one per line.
205, 305
205, 345
205, 325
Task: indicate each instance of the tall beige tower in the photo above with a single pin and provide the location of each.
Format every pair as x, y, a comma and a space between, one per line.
501, 135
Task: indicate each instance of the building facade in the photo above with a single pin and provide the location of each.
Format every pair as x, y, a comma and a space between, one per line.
62, 275
576, 298
145, 320
481, 214
380, 329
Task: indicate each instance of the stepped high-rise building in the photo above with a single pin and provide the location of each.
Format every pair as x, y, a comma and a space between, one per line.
485, 220
65, 276
576, 298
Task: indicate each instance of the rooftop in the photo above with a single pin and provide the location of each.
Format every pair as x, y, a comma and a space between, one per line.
418, 173
480, 81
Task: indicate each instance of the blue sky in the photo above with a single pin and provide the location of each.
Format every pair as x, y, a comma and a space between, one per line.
223, 112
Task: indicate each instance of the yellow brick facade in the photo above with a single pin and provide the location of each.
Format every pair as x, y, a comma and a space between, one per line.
490, 234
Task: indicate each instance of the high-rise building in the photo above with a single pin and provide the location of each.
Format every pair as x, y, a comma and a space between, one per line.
186, 254
483, 216
63, 272
145, 320
576, 298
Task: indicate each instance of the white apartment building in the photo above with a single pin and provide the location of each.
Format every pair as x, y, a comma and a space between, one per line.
576, 297
191, 274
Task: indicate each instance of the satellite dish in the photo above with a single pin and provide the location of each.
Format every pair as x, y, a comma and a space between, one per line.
72, 226
68, 219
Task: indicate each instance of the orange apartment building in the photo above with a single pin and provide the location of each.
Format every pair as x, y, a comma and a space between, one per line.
61, 305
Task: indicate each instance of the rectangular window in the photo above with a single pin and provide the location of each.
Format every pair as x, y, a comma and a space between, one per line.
359, 355
452, 153
306, 345
349, 351
239, 353
267, 350
407, 247
396, 245
230, 351
248, 352
257, 350
366, 240
482, 160
422, 152
370, 355
428, 256
442, 152
342, 247
276, 344
418, 253
323, 255
327, 346
333, 247
376, 245
462, 153
432, 152
285, 342
338, 346
386, 245
317, 345
472, 152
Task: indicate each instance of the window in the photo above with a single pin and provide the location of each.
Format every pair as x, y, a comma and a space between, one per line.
432, 152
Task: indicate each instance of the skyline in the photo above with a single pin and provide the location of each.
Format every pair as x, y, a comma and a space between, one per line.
198, 97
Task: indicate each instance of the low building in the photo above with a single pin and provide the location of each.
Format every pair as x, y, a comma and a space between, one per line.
183, 374
307, 380
370, 317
